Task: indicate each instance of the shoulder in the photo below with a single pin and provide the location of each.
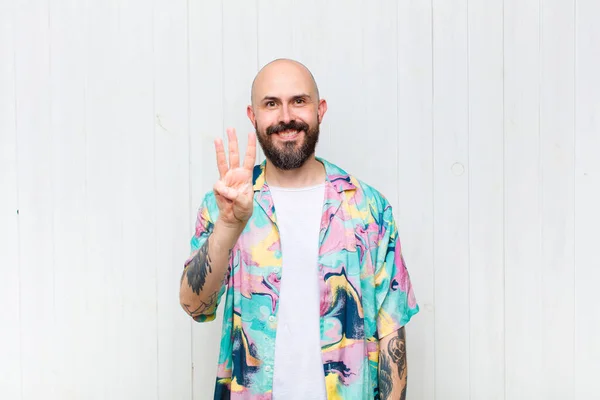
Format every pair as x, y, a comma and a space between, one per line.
377, 207
366, 200
362, 193
371, 194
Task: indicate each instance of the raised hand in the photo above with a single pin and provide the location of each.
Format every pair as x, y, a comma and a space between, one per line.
233, 190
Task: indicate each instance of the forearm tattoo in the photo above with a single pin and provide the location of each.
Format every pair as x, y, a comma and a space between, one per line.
198, 268
397, 350
385, 376
197, 271
394, 357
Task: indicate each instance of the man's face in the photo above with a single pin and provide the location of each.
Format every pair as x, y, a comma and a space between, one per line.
286, 115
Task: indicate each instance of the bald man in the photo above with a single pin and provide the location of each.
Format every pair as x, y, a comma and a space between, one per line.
317, 293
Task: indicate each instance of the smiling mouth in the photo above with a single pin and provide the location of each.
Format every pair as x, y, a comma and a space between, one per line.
289, 134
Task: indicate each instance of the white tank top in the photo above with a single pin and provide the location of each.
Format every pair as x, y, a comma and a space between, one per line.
298, 367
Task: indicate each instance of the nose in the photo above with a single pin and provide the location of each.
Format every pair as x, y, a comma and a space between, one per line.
286, 115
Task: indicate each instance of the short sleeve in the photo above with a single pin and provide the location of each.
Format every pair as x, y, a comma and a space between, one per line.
396, 302
203, 229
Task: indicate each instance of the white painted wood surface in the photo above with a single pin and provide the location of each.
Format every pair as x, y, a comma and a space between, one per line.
587, 197
486, 201
480, 122
415, 183
451, 183
522, 200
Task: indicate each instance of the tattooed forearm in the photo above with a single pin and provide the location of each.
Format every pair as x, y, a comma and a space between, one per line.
397, 350
198, 268
385, 377
203, 279
392, 367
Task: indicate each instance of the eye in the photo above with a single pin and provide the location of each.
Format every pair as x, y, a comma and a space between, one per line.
270, 103
300, 101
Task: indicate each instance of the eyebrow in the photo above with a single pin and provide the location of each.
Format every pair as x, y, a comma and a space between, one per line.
298, 96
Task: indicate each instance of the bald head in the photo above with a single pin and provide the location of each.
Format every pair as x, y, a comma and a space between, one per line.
283, 74
286, 112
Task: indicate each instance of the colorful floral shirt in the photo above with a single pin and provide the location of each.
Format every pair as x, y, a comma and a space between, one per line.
365, 289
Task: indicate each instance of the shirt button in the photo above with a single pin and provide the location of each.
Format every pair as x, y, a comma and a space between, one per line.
271, 319
268, 368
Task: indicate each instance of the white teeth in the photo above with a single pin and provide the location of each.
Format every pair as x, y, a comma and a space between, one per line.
288, 133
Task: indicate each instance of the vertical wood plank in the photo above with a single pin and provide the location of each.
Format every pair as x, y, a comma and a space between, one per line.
451, 198
379, 59
587, 198
36, 208
274, 30
137, 125
101, 267
486, 206
309, 44
342, 80
171, 165
557, 122
415, 185
240, 64
206, 124
10, 362
67, 127
523, 223
206, 99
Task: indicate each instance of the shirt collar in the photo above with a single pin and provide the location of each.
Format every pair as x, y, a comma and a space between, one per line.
334, 175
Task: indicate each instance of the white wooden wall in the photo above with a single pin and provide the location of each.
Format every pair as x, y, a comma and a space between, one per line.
480, 120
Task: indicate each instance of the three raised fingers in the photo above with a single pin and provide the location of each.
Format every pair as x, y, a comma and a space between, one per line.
234, 158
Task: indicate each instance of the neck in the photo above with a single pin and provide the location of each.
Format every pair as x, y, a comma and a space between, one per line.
311, 173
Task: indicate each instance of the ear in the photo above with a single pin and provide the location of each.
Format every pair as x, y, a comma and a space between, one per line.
250, 114
322, 109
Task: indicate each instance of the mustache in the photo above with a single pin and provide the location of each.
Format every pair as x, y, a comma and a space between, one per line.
292, 125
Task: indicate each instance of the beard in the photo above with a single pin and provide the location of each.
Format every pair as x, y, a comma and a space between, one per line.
290, 157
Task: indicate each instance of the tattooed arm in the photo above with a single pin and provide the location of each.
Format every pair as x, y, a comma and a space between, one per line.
205, 274
392, 366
